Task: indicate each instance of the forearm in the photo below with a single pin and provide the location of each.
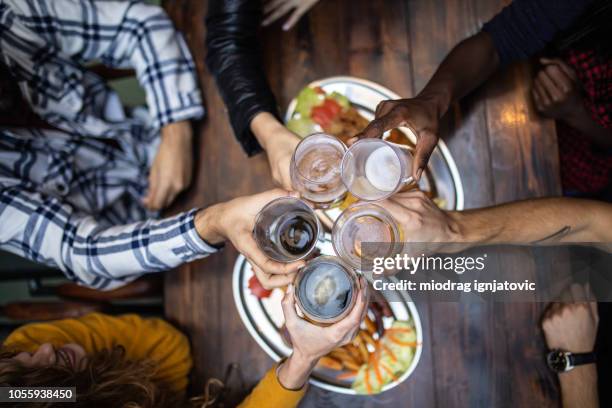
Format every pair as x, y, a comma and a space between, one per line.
233, 57
264, 126
579, 387
294, 372
467, 66
539, 220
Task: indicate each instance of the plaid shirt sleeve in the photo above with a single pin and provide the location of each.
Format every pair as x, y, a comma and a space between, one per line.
120, 34
44, 229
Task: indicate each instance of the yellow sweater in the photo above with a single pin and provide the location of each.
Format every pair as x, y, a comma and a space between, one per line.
152, 339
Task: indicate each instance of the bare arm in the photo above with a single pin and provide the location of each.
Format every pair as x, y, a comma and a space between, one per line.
539, 220
467, 66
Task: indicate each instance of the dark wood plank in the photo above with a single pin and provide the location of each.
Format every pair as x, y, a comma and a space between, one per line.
503, 150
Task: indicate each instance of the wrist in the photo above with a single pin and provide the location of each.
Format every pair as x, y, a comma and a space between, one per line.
437, 100
264, 125
207, 224
294, 372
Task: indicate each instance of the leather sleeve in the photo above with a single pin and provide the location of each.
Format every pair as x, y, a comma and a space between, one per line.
234, 59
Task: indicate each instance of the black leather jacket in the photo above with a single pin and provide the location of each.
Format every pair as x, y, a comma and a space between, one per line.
234, 59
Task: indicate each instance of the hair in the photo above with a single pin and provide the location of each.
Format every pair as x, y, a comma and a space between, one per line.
107, 379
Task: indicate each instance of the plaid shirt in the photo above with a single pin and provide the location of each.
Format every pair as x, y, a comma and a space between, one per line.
71, 198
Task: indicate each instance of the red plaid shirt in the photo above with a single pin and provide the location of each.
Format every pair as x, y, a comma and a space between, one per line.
585, 168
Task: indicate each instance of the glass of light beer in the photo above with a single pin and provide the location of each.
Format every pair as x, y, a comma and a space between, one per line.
366, 223
373, 169
315, 170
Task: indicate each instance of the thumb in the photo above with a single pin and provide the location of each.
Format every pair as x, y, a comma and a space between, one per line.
425, 146
288, 305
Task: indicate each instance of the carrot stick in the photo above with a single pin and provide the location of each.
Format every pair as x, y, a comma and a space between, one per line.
391, 354
347, 375
395, 340
330, 362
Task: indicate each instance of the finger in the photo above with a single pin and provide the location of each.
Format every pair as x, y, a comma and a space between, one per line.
169, 198
378, 126
550, 86
269, 281
539, 87
161, 195
563, 82
383, 108
537, 98
424, 148
272, 5
354, 317
248, 247
278, 13
294, 18
288, 305
153, 183
562, 65
396, 209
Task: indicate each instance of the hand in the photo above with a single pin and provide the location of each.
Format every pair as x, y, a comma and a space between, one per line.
554, 90
279, 144
172, 167
418, 114
311, 342
275, 9
571, 326
420, 218
234, 220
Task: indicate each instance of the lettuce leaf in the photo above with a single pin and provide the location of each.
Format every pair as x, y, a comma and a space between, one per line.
306, 99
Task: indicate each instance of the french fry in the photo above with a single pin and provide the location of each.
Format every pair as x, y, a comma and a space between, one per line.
354, 351
370, 325
367, 338
330, 362
342, 355
351, 365
349, 375
363, 350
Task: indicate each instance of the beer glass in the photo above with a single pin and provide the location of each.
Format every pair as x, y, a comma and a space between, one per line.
373, 169
287, 229
315, 170
326, 290
361, 223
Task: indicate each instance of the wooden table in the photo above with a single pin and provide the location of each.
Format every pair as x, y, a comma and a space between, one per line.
474, 355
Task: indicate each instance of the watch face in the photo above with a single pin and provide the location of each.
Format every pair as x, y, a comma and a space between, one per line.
557, 361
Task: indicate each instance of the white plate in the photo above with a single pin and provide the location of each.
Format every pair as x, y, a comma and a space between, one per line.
365, 96
263, 319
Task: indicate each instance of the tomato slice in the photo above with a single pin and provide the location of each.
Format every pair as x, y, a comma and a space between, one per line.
257, 290
332, 106
321, 115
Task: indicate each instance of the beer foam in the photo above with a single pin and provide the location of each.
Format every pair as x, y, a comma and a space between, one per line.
383, 169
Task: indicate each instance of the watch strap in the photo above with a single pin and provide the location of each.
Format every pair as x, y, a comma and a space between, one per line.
576, 359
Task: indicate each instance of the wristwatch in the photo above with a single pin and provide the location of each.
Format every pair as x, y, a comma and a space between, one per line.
561, 361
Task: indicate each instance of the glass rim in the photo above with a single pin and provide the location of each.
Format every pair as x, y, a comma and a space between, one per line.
353, 275
397, 150
294, 166
336, 237
319, 227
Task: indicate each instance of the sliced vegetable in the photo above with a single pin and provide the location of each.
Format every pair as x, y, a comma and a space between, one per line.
302, 126
257, 290
307, 99
341, 99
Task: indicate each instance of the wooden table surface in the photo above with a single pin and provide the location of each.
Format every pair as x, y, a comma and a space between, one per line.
474, 355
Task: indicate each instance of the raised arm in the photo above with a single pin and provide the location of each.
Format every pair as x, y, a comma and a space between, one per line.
234, 59
531, 221
517, 32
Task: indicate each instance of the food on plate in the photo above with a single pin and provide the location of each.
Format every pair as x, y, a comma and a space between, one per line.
257, 290
392, 356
